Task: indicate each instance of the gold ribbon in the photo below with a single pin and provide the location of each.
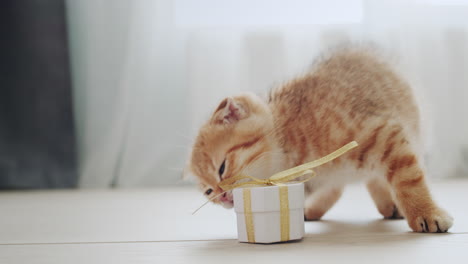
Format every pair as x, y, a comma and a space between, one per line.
284, 212
248, 214
279, 179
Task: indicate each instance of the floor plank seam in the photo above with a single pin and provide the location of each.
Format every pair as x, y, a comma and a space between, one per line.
202, 240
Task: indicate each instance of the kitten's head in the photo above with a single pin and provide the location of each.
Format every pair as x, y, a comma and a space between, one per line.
236, 138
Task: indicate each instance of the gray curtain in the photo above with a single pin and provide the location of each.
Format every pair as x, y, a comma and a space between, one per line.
37, 142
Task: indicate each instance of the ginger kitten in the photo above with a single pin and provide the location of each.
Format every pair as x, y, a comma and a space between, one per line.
351, 95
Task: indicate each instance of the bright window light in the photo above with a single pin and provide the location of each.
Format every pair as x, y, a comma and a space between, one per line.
213, 13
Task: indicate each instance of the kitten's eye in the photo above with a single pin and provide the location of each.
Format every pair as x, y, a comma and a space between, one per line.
221, 169
209, 191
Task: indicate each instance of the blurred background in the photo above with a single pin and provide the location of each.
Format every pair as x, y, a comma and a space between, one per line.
110, 93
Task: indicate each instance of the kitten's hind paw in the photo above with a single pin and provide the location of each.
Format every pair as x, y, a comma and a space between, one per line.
435, 221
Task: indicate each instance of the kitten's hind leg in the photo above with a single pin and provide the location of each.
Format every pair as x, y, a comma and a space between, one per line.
380, 193
320, 201
412, 195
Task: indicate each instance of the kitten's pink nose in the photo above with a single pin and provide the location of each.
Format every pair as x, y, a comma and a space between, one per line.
224, 198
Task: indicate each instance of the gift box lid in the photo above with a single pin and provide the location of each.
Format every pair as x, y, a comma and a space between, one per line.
266, 198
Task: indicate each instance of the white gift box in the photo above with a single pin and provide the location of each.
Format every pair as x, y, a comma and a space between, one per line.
268, 223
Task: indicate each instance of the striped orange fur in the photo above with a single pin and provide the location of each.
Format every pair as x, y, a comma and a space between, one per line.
349, 95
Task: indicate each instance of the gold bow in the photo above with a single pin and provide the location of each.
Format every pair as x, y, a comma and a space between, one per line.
278, 179
287, 175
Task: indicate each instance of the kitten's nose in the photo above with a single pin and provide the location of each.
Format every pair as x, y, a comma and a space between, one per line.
224, 198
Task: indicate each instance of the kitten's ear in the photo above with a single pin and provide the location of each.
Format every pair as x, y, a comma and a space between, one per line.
229, 111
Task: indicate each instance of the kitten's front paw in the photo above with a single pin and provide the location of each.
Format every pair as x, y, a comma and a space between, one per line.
434, 221
313, 214
391, 212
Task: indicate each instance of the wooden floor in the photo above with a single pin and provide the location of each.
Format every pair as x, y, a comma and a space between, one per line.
156, 226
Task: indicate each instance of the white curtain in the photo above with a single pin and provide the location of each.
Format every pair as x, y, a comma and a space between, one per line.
147, 73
